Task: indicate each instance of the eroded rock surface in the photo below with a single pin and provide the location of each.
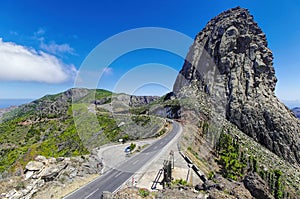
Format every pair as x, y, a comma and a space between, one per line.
49, 171
257, 187
231, 62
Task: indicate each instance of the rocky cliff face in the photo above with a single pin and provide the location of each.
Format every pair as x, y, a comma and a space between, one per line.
231, 61
141, 100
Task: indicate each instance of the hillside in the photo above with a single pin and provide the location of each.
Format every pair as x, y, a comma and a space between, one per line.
71, 123
235, 129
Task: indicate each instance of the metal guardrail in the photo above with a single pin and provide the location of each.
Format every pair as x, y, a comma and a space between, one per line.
155, 182
199, 173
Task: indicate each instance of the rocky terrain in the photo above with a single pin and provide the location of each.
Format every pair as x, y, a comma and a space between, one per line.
236, 130
142, 100
42, 173
216, 188
231, 62
69, 124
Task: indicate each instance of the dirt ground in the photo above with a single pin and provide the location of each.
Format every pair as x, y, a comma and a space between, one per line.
58, 191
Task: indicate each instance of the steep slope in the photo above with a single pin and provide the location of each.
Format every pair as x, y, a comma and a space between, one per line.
231, 62
68, 124
42, 127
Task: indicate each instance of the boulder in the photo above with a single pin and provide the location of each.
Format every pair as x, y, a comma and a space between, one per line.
257, 186
102, 101
41, 158
50, 173
52, 160
216, 194
202, 196
208, 185
34, 166
240, 192
28, 174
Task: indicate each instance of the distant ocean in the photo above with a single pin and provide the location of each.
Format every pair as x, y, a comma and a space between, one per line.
5, 103
291, 103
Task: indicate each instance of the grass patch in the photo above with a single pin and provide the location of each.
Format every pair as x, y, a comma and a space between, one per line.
180, 182
143, 193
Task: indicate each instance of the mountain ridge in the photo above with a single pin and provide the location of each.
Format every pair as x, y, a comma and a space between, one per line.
224, 97
47, 126
230, 61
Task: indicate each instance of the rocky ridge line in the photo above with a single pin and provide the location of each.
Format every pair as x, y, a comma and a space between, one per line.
231, 56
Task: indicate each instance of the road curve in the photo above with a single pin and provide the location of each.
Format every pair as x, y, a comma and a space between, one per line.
113, 179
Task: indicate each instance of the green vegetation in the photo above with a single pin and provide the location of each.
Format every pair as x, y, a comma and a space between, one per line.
278, 189
180, 182
96, 95
193, 152
139, 110
141, 120
231, 157
211, 175
52, 126
275, 182
161, 132
235, 164
132, 146
144, 193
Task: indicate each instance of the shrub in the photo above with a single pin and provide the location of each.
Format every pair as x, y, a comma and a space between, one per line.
132, 146
211, 175
231, 157
180, 182
144, 193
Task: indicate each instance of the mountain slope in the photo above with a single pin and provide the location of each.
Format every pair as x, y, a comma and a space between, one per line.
67, 124
231, 62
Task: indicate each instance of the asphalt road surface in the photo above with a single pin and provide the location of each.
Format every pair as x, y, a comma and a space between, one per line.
113, 179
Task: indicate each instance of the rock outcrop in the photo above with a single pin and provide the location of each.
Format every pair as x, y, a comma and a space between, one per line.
219, 187
141, 100
230, 61
44, 171
257, 187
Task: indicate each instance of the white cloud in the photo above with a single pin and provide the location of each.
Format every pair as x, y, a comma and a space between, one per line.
40, 31
108, 71
55, 48
52, 47
19, 63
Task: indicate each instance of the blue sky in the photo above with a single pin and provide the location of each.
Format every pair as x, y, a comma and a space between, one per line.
49, 40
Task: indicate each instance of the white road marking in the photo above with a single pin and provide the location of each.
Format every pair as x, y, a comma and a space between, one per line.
135, 162
118, 174
91, 194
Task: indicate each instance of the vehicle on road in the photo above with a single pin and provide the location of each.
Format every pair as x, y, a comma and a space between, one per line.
127, 149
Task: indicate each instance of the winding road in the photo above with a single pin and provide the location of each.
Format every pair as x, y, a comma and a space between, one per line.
113, 179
